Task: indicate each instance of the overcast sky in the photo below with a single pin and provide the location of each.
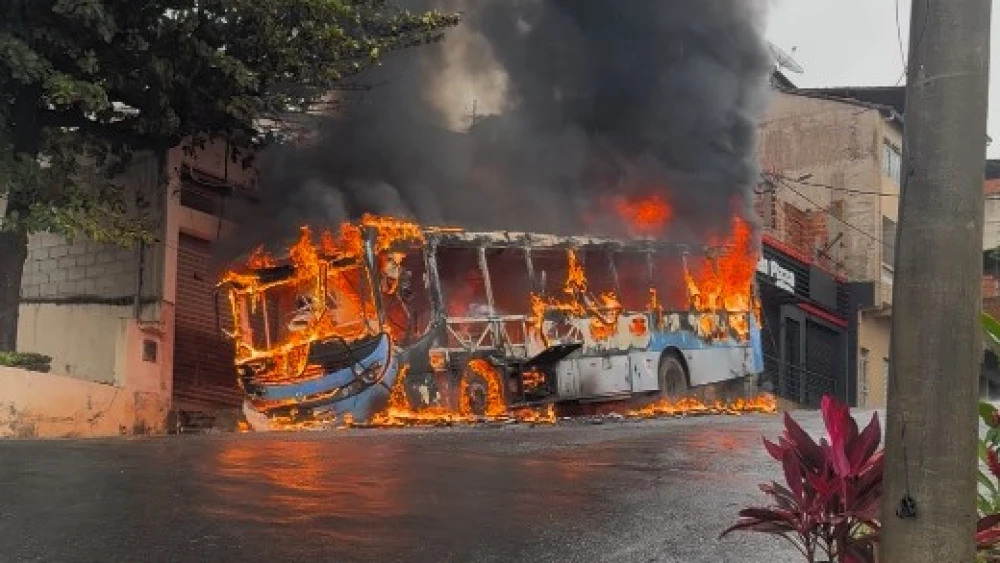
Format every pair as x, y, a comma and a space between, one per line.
855, 43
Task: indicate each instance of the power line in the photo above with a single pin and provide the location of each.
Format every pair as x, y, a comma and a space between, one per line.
849, 190
899, 37
899, 40
824, 210
830, 187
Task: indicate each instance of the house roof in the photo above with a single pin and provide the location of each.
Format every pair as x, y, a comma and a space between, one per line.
888, 96
839, 95
883, 96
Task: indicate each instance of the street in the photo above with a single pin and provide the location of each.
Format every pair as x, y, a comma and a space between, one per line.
649, 491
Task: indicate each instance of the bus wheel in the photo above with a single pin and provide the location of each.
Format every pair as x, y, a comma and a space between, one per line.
475, 393
673, 376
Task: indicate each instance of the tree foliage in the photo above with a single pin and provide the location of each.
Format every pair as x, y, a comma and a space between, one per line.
85, 84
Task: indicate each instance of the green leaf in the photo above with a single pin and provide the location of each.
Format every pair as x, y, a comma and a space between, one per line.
983, 506
986, 482
991, 327
987, 412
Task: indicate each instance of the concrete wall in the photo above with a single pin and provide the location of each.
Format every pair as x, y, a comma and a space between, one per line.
839, 145
51, 405
213, 162
78, 295
83, 340
60, 268
874, 330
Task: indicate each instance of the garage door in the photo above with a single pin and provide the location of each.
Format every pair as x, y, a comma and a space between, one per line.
204, 377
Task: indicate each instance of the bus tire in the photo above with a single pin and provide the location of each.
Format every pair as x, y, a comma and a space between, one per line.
672, 375
475, 390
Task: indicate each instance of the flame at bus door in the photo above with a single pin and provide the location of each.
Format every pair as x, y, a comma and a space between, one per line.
721, 289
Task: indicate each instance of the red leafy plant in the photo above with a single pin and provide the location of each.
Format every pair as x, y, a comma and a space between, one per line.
829, 503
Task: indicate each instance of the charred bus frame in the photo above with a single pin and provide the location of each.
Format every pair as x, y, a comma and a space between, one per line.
438, 357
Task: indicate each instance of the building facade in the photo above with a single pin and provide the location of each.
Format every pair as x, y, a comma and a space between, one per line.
130, 331
832, 165
806, 326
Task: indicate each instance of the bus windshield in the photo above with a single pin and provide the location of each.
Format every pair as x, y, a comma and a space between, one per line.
287, 307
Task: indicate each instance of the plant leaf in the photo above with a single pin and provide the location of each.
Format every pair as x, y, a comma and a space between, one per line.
776, 451
992, 329
987, 413
838, 426
804, 445
866, 445
793, 472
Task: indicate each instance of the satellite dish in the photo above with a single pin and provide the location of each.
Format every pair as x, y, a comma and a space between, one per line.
785, 60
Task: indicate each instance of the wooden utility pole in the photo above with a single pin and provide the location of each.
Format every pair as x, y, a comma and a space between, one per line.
929, 507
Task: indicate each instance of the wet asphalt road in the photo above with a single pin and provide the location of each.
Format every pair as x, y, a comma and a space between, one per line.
636, 491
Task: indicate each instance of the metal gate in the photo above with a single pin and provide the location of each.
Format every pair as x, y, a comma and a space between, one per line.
824, 358
812, 358
204, 376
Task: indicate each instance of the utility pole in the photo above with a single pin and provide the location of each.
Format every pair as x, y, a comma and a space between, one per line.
929, 504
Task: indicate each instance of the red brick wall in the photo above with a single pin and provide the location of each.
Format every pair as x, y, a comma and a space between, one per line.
991, 305
991, 286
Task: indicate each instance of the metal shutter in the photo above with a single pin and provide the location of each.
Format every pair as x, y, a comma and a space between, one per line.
204, 376
824, 360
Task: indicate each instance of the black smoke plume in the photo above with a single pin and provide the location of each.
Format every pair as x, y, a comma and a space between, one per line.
591, 99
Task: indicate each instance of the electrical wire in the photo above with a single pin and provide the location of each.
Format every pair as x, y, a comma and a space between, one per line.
899, 40
829, 187
919, 42
874, 238
989, 197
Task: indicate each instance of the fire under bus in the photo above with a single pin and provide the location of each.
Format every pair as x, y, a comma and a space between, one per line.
388, 320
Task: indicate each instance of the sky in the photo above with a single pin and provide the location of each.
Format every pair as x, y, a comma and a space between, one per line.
855, 43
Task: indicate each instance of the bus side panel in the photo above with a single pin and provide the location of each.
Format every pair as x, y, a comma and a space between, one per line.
718, 363
568, 376
645, 371
602, 376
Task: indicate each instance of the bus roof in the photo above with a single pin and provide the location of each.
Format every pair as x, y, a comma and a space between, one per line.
537, 241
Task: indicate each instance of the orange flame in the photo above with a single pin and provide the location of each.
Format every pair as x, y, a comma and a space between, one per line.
722, 289
647, 215
764, 403
331, 274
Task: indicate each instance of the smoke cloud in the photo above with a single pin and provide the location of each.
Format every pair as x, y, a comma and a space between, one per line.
530, 115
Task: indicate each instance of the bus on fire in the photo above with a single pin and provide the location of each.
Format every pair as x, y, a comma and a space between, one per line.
479, 323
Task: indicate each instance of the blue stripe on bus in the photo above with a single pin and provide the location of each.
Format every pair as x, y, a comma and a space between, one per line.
330, 381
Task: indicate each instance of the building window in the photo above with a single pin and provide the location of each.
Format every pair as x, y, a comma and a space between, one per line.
888, 242
863, 379
892, 162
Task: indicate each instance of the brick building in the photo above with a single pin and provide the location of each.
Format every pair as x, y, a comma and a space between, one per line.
832, 174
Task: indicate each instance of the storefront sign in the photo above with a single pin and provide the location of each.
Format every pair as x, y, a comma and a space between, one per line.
782, 277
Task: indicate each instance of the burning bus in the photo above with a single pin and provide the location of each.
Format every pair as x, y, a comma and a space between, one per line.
387, 317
